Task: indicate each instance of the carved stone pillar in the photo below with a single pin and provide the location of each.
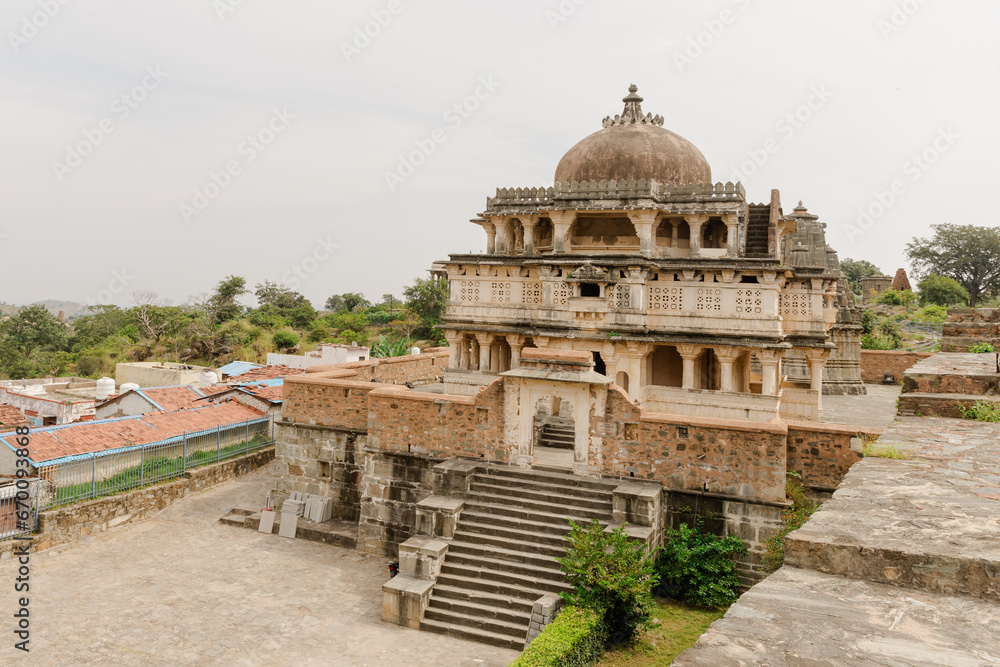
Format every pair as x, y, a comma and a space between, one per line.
516, 343
727, 360
454, 339
496, 357
485, 341
770, 362
491, 237
562, 224
695, 222
504, 242
689, 353
733, 235
817, 361
644, 223
529, 223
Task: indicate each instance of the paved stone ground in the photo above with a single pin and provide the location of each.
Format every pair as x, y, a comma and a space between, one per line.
875, 410
183, 589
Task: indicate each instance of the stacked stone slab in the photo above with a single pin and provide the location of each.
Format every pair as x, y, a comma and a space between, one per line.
945, 384
970, 326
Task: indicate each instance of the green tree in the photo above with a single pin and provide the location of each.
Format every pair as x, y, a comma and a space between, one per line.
427, 298
94, 329
969, 254
224, 301
942, 291
279, 296
348, 302
856, 269
33, 328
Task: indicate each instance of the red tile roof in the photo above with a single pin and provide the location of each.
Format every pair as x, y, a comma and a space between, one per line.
265, 373
173, 398
270, 393
48, 444
11, 417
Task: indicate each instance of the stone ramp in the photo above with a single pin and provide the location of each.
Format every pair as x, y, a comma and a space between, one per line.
931, 522
800, 617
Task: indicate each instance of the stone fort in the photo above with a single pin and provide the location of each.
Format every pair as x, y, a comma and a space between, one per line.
636, 345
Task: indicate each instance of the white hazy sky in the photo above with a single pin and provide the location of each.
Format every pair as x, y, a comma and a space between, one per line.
897, 77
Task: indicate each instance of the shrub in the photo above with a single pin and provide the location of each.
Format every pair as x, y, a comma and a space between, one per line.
982, 411
934, 314
981, 348
285, 340
574, 639
891, 298
611, 574
697, 567
877, 342
792, 518
383, 348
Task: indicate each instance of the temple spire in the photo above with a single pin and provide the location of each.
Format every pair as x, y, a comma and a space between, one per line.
633, 111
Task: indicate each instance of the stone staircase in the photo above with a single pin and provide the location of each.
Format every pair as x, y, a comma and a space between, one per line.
558, 432
502, 558
758, 234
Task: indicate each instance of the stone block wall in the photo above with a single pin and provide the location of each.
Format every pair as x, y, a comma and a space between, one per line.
320, 461
327, 402
76, 522
874, 363
391, 487
720, 456
823, 453
970, 326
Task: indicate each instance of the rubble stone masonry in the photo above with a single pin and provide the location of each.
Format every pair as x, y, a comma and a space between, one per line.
875, 363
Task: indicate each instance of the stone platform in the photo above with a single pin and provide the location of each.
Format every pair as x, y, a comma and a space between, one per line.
945, 383
338, 533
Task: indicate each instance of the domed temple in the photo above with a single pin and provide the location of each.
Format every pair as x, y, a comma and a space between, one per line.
687, 296
636, 346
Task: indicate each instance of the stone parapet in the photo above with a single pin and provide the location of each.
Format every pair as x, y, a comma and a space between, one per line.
542, 613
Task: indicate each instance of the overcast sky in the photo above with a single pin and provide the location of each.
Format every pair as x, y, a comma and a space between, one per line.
116, 115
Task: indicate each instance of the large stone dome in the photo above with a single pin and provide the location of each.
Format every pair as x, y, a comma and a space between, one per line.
634, 146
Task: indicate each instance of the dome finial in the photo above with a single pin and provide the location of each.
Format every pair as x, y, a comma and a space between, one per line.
633, 111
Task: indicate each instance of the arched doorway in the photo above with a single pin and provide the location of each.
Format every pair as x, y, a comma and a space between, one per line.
554, 433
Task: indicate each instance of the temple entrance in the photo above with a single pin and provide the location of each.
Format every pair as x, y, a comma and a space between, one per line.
554, 431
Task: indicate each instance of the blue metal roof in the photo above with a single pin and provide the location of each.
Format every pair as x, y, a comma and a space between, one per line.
238, 368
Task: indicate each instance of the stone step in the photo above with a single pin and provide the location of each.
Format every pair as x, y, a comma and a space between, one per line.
525, 591
549, 571
482, 636
495, 610
547, 544
537, 508
476, 520
545, 487
509, 551
560, 479
489, 578
516, 630
558, 518
549, 434
601, 502
482, 598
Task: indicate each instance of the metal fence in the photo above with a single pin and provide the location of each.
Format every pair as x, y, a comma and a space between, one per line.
933, 330
90, 476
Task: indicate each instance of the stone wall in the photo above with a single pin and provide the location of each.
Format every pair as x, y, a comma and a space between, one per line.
823, 453
740, 459
76, 522
320, 461
327, 402
970, 326
874, 363
392, 485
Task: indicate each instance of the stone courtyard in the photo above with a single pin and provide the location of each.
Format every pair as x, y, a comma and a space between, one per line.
183, 589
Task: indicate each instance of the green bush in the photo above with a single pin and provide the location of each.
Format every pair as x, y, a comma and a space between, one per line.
891, 298
933, 314
285, 340
697, 567
981, 348
574, 639
611, 574
982, 411
877, 342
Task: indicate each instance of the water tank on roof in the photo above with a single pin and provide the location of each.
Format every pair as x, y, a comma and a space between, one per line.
105, 388
415, 350
208, 378
128, 386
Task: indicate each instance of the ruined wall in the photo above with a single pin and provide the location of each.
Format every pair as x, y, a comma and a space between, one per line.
439, 425
823, 453
732, 458
320, 461
419, 368
874, 363
970, 326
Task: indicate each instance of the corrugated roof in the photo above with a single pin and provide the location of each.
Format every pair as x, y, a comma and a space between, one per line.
56, 442
238, 367
169, 399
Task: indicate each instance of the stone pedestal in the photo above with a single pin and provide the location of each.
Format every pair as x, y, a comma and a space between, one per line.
405, 597
437, 516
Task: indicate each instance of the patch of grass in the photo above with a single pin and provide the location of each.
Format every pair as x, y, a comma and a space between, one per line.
679, 628
876, 450
982, 411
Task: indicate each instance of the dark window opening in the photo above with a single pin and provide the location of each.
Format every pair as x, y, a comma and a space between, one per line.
599, 365
749, 279
590, 289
